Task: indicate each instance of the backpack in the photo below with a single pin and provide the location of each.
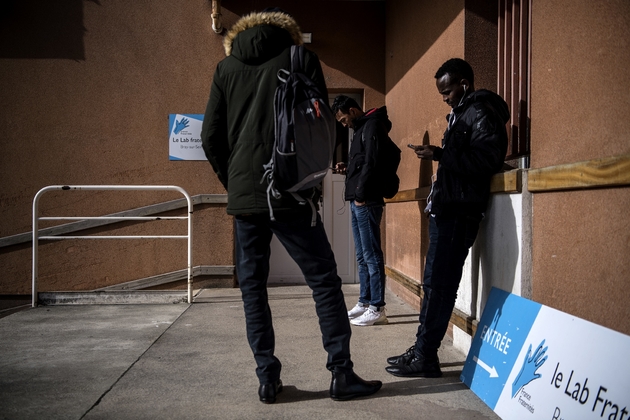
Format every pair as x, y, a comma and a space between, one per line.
386, 167
305, 135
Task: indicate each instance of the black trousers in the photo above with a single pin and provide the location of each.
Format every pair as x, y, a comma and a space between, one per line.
310, 249
450, 239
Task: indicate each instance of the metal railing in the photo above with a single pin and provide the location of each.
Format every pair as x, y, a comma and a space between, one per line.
36, 220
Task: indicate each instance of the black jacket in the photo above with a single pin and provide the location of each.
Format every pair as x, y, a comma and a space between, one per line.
362, 180
238, 127
473, 150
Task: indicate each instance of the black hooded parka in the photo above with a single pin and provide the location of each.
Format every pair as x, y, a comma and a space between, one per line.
473, 150
238, 127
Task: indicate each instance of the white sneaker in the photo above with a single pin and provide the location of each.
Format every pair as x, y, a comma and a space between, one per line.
357, 311
370, 317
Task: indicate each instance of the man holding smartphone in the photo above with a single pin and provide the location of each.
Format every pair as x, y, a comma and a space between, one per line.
365, 193
473, 149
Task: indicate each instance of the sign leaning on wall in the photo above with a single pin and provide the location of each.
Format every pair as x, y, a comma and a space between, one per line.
184, 138
529, 361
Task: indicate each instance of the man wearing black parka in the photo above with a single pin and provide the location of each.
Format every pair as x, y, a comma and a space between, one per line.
473, 149
238, 137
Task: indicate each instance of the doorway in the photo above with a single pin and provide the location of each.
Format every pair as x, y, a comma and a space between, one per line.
335, 214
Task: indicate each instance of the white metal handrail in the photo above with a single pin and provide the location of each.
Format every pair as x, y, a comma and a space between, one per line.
36, 220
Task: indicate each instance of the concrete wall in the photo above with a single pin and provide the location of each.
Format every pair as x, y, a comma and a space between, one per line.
496, 259
86, 88
500, 257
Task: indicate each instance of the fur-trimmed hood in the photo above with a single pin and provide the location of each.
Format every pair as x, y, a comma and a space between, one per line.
278, 19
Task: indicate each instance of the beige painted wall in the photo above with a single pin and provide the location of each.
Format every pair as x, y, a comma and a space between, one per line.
580, 102
100, 116
420, 37
417, 110
580, 105
87, 102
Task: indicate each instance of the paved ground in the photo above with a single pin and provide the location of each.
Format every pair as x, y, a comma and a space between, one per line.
193, 362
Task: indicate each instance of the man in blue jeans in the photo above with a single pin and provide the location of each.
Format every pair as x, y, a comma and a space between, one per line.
238, 138
473, 149
364, 192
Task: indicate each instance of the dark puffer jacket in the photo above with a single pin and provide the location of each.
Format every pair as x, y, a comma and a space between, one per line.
238, 127
473, 150
362, 176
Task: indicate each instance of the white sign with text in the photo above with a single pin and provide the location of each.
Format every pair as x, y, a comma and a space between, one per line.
529, 361
185, 137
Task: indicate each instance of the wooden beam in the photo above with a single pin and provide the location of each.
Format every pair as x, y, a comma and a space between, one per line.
417, 194
597, 173
507, 182
407, 282
466, 323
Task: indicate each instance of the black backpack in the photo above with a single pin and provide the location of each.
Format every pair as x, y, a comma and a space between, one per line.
387, 163
305, 134
389, 160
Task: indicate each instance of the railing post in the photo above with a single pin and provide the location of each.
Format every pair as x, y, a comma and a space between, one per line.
35, 240
36, 218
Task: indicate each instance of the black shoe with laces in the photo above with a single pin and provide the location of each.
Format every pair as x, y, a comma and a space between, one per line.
404, 358
417, 367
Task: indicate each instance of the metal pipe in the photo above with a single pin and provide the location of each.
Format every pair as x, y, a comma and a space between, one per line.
37, 237
116, 218
217, 26
60, 238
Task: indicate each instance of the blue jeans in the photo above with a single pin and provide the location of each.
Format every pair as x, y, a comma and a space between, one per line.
450, 240
310, 249
366, 229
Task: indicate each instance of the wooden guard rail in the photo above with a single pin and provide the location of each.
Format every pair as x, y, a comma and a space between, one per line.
597, 173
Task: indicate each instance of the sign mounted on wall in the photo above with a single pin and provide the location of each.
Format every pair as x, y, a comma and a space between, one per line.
184, 139
529, 361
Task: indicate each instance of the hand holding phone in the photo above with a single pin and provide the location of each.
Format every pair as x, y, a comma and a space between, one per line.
422, 151
340, 168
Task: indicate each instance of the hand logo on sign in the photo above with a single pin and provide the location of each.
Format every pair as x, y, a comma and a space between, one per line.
180, 125
530, 366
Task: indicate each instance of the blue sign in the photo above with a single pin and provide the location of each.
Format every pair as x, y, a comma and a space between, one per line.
185, 137
529, 361
501, 333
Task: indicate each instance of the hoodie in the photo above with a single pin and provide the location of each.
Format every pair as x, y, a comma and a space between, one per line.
362, 180
473, 150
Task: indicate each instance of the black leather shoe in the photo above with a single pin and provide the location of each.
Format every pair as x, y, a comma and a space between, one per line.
418, 366
404, 358
268, 392
346, 386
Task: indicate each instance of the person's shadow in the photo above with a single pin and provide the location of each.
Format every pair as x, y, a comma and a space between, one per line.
495, 254
449, 382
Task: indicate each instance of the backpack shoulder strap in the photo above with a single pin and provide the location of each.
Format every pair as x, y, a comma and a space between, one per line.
297, 58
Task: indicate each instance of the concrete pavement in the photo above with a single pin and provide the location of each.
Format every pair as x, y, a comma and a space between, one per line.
168, 361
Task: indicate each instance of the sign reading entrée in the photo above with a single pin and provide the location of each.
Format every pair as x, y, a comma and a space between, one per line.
529, 361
